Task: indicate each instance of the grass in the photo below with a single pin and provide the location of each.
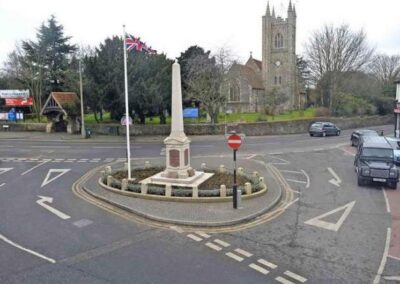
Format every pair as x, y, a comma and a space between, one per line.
230, 118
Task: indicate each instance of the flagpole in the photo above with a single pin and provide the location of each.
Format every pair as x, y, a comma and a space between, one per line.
128, 148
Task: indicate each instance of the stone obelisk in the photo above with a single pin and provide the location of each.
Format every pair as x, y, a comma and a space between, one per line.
177, 144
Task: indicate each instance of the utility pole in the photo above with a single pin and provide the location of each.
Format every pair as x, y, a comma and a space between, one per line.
83, 131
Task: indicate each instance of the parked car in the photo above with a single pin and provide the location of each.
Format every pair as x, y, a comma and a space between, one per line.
323, 129
374, 162
358, 135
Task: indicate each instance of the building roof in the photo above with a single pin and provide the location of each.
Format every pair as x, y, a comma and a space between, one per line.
65, 102
247, 73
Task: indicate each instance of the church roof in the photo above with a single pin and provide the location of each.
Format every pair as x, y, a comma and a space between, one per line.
247, 73
65, 102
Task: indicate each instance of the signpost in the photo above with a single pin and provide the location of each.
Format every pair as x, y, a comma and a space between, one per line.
234, 142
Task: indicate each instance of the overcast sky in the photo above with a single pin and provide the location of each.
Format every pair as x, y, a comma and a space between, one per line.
171, 26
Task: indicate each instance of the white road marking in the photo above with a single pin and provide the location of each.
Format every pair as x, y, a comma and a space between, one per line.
386, 200
276, 153
318, 149
109, 147
234, 256
27, 250
214, 247
48, 180
202, 234
283, 161
2, 184
176, 229
35, 167
71, 159
243, 252
283, 280
348, 152
44, 199
337, 181
259, 268
290, 172
58, 147
251, 157
295, 276
108, 160
4, 170
308, 178
267, 263
328, 225
392, 278
384, 257
222, 243
195, 238
396, 258
296, 181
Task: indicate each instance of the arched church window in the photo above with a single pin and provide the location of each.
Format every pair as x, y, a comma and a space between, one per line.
280, 80
234, 92
276, 80
278, 40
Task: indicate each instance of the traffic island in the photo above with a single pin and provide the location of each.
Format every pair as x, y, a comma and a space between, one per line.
202, 212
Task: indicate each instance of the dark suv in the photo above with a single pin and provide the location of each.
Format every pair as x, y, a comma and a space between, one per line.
323, 129
358, 135
374, 162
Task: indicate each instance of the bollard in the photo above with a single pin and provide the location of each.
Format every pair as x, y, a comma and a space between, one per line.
240, 171
261, 180
255, 174
124, 184
222, 190
221, 169
203, 166
143, 188
195, 192
109, 180
247, 188
108, 170
239, 198
168, 190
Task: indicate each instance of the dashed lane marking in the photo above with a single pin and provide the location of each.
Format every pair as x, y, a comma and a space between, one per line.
386, 200
243, 252
234, 256
31, 169
295, 276
213, 246
222, 243
283, 280
195, 238
176, 229
258, 268
267, 263
2, 184
204, 235
82, 223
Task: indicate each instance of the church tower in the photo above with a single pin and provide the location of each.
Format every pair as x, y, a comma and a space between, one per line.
279, 54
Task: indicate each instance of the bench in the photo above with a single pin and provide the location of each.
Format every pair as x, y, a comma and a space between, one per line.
6, 127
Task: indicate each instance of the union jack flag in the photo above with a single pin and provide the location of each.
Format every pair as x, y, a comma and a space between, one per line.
133, 43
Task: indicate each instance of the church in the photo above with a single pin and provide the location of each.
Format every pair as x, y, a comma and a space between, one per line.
252, 84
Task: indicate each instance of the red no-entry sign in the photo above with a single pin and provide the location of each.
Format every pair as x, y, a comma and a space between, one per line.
234, 141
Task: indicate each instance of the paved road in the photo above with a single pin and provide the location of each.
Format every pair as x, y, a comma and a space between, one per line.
333, 232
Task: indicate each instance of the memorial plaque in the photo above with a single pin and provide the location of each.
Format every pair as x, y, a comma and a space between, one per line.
186, 157
174, 158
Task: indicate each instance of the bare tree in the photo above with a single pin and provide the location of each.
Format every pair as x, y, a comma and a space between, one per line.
335, 50
386, 69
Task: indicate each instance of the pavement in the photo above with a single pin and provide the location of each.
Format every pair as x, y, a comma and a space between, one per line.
204, 214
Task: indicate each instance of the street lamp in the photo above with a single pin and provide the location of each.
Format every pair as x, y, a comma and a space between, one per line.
83, 132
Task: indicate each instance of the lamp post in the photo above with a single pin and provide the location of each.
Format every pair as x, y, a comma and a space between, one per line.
83, 132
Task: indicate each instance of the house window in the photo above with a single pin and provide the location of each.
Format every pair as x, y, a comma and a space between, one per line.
234, 92
278, 42
280, 80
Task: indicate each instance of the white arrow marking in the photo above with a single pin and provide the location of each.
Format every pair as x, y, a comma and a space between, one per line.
4, 170
337, 181
48, 180
44, 199
328, 225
